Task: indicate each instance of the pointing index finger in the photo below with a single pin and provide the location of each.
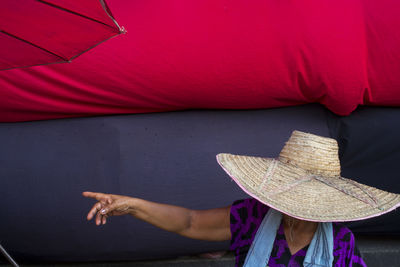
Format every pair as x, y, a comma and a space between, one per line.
95, 195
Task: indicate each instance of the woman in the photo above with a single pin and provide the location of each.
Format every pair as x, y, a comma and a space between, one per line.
288, 222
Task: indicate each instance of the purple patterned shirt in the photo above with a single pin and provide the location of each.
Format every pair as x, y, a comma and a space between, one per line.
246, 217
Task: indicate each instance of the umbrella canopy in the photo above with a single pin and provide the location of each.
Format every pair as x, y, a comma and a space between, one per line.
37, 32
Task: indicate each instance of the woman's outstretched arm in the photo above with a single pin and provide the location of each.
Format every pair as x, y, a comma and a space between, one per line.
211, 225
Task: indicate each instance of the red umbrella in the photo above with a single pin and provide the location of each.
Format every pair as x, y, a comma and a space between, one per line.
38, 32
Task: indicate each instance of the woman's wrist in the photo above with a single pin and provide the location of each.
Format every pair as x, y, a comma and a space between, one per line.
133, 206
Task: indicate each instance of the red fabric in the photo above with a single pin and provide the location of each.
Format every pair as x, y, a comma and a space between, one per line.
181, 54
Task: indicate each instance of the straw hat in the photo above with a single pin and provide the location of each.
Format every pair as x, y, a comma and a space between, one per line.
304, 182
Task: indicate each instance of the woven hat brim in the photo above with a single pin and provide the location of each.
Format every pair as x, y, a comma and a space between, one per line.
310, 200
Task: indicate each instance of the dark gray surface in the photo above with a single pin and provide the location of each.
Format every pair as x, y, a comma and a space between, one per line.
380, 251
164, 157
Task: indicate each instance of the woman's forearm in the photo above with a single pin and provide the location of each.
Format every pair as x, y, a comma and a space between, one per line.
168, 217
211, 224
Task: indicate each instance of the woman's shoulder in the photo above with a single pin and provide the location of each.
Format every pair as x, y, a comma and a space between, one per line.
345, 249
247, 211
248, 202
244, 206
245, 218
343, 237
342, 232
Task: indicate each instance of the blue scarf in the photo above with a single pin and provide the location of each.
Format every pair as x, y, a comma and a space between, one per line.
319, 253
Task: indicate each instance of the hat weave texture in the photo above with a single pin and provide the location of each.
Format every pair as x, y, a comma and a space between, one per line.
304, 182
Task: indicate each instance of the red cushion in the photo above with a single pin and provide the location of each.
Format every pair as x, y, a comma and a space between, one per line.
181, 54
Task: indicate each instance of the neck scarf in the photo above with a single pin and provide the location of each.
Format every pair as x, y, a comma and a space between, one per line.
319, 253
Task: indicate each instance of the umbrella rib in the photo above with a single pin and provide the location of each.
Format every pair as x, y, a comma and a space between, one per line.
73, 12
41, 48
110, 15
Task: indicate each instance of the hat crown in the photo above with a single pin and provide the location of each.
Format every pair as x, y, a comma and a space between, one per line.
316, 154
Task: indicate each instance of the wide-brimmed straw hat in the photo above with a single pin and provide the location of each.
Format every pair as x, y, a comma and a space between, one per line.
304, 182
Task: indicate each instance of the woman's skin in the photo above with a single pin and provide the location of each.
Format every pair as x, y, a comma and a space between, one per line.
298, 233
211, 225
